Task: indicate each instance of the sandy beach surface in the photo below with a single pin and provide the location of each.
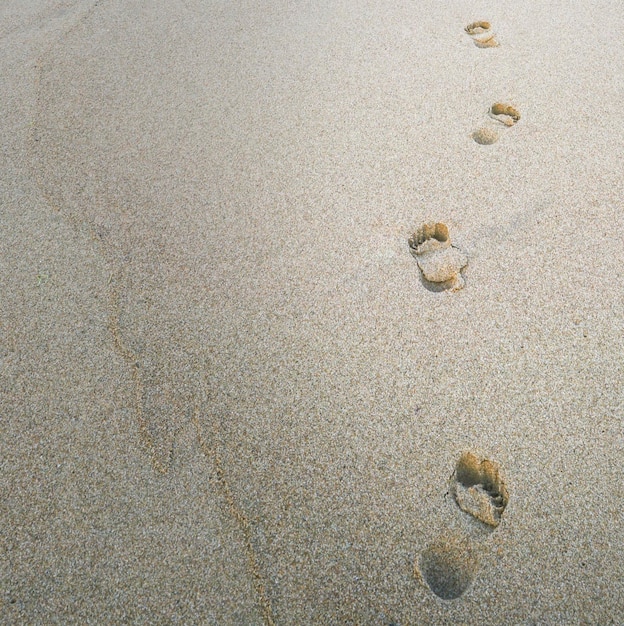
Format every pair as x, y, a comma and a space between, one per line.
228, 393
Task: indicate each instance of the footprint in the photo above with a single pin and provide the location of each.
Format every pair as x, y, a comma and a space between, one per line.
448, 567
478, 488
481, 35
504, 113
439, 261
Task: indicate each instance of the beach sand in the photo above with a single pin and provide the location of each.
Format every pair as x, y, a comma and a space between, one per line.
228, 394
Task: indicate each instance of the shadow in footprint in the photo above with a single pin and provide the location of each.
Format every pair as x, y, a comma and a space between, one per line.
448, 567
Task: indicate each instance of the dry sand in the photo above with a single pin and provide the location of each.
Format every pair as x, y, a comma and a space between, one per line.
227, 396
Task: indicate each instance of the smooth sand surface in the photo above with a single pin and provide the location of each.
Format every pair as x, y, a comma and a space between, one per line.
227, 395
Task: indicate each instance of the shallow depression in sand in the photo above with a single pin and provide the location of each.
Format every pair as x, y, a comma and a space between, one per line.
485, 136
448, 568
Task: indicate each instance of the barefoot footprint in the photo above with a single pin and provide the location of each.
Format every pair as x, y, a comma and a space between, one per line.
448, 567
481, 35
439, 261
478, 489
505, 114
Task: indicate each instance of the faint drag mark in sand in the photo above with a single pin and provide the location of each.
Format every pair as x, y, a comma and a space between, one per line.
39, 19
481, 35
478, 488
157, 404
211, 453
447, 566
79, 225
160, 462
100, 224
440, 262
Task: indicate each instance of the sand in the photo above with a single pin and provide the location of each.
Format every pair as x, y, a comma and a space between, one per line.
228, 395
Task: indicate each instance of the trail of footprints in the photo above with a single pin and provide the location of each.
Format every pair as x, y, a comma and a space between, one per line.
448, 565
441, 264
501, 112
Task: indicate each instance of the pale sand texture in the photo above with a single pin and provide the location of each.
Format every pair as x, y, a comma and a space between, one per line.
227, 397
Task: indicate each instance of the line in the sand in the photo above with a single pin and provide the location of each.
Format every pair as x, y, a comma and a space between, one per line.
131, 359
243, 522
128, 355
